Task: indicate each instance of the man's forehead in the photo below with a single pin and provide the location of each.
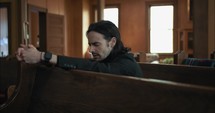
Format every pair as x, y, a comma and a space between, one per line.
94, 37
96, 40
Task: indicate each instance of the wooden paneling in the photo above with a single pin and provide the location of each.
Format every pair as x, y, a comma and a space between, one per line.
38, 3
211, 26
34, 28
53, 6
55, 34
77, 19
132, 24
61, 7
200, 28
56, 6
74, 27
183, 15
69, 28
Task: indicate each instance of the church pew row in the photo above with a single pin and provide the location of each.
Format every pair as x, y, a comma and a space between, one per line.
20, 75
78, 91
8, 73
58, 91
180, 73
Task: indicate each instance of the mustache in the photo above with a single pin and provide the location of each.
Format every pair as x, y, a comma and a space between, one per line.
93, 53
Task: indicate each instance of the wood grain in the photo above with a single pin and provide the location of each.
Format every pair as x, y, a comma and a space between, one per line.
60, 91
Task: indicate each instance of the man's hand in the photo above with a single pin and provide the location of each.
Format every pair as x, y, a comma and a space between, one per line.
29, 54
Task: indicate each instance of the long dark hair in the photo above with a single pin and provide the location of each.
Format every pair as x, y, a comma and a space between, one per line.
109, 30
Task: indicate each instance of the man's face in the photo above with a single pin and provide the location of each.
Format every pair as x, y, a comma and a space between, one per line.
98, 46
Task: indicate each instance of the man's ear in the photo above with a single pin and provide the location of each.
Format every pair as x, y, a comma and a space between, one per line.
112, 42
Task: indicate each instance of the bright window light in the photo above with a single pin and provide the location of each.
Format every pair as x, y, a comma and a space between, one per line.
112, 14
3, 32
161, 29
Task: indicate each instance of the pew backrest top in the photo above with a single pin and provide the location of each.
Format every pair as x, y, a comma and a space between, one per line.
57, 90
180, 73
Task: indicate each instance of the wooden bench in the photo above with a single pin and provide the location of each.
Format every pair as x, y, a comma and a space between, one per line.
58, 91
180, 73
8, 73
20, 75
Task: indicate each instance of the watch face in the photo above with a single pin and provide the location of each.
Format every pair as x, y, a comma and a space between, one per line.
47, 56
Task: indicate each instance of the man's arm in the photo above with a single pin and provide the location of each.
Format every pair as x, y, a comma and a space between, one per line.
53, 59
30, 54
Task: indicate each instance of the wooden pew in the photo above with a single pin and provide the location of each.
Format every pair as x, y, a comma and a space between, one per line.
180, 73
59, 91
8, 73
179, 56
21, 76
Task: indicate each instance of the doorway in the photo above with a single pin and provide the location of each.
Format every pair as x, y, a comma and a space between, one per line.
37, 23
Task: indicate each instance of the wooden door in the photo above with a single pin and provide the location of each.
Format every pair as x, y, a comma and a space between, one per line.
55, 34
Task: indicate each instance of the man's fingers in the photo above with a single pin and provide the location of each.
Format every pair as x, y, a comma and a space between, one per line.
19, 51
23, 46
19, 54
19, 58
27, 46
31, 46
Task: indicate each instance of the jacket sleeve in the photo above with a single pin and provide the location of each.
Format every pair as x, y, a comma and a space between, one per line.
122, 66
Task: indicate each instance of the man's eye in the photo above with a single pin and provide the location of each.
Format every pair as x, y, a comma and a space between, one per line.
96, 44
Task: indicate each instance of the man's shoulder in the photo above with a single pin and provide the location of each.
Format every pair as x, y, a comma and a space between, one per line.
128, 56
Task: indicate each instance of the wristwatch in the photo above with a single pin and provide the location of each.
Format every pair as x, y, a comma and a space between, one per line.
47, 56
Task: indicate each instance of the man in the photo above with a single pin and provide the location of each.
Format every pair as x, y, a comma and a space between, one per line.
105, 45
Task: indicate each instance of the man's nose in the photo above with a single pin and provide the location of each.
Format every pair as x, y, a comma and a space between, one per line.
91, 49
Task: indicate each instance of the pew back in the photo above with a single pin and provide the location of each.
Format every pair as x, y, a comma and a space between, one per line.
180, 73
8, 73
59, 91
24, 75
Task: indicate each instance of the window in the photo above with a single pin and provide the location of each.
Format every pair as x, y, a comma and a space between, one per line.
112, 14
4, 49
161, 29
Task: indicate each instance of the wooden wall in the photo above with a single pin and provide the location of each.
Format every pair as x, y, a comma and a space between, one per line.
133, 28
183, 16
133, 25
133, 21
200, 28
53, 6
76, 13
77, 18
211, 26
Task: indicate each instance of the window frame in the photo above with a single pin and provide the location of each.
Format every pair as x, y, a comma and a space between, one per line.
8, 6
118, 13
161, 3
94, 8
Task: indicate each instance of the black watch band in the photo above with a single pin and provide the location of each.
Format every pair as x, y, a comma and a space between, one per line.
47, 56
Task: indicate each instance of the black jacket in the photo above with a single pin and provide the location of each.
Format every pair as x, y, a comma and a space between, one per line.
123, 64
